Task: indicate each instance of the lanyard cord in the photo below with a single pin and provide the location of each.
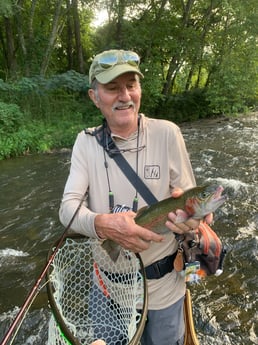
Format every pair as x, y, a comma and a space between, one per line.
135, 200
110, 193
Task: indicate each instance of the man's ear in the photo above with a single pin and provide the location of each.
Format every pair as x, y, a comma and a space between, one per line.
93, 97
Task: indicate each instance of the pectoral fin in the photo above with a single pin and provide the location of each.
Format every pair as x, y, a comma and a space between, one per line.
112, 248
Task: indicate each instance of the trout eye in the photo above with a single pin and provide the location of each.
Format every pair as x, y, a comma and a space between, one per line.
204, 195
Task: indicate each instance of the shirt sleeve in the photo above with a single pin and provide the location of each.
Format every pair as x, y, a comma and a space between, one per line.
181, 173
76, 189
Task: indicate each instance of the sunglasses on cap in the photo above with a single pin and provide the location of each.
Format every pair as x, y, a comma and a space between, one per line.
111, 58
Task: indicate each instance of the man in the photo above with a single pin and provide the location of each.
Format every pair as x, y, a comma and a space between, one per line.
156, 151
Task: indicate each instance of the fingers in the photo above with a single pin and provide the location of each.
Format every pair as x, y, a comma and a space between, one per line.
149, 236
179, 222
139, 245
209, 218
98, 342
140, 239
177, 192
123, 230
182, 227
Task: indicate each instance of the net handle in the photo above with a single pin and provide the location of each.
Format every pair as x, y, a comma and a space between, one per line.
140, 328
50, 292
58, 317
35, 289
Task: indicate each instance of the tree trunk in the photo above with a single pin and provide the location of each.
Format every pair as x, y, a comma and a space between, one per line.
119, 24
69, 43
52, 38
198, 56
10, 48
173, 66
22, 43
30, 40
189, 77
77, 32
154, 26
175, 61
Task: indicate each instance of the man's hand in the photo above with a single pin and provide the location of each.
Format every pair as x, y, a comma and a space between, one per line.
121, 228
98, 342
190, 224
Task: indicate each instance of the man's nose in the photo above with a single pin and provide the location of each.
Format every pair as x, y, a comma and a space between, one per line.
124, 94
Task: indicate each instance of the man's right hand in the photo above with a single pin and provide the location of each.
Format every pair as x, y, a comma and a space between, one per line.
121, 228
98, 342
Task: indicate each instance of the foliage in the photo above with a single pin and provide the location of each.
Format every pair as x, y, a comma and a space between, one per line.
6, 8
199, 58
151, 88
70, 80
39, 136
51, 112
11, 118
43, 97
186, 106
231, 90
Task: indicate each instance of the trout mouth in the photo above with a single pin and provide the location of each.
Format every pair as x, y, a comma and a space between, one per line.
211, 202
218, 194
217, 198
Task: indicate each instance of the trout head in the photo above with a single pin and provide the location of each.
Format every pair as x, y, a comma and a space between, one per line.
205, 202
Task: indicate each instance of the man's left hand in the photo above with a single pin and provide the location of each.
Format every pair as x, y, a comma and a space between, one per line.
189, 224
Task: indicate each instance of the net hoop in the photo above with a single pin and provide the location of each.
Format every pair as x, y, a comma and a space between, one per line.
66, 333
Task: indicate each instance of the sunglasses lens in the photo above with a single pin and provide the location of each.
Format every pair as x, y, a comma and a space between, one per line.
131, 58
108, 60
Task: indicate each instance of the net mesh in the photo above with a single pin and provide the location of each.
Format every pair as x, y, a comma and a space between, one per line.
93, 297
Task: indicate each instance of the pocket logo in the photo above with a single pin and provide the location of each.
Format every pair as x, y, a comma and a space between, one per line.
152, 172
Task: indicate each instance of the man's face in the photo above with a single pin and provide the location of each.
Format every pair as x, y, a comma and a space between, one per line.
119, 101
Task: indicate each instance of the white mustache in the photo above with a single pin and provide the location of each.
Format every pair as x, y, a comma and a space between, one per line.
123, 105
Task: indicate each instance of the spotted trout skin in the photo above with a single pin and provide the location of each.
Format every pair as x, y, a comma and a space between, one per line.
196, 202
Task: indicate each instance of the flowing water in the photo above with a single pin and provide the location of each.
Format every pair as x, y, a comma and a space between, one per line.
225, 308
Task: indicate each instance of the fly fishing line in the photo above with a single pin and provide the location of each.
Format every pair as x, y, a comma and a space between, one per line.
92, 297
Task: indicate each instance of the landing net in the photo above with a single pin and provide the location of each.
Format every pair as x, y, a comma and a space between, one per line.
93, 298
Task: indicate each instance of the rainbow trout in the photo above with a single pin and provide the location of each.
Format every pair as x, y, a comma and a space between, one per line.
196, 202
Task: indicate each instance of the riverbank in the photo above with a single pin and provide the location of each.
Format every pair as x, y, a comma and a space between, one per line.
250, 116
41, 137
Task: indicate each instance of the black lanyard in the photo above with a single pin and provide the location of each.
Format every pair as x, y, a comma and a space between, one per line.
103, 137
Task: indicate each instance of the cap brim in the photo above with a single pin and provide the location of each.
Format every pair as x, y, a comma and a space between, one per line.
110, 74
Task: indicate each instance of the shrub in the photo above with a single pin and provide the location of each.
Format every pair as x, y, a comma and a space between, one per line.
187, 106
11, 118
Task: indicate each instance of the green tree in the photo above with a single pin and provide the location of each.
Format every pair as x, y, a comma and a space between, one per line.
185, 45
32, 38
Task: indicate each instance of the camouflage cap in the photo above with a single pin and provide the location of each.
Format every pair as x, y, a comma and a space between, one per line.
110, 64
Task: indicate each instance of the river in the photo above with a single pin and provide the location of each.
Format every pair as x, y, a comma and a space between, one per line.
225, 308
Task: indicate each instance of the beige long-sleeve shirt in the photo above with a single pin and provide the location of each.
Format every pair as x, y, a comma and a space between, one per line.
163, 164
